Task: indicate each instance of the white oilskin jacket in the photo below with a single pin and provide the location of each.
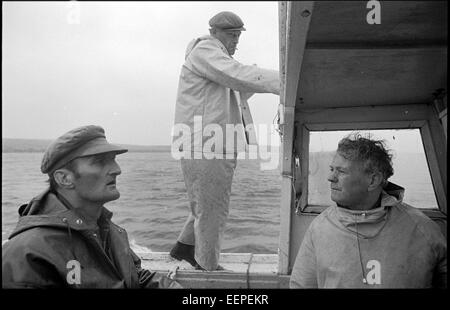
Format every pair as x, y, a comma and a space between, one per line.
212, 92
392, 246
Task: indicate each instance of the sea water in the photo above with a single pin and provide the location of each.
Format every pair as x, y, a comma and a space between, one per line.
154, 206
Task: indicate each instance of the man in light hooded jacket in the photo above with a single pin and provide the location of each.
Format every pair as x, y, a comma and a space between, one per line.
212, 126
370, 238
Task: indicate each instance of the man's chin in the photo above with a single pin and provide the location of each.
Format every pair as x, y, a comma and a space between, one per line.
338, 201
113, 196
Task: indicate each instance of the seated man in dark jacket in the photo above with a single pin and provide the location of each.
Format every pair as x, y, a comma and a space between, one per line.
65, 237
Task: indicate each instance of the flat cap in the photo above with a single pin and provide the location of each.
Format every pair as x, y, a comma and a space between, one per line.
227, 21
79, 142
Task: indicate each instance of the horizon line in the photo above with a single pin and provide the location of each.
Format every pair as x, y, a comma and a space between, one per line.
113, 142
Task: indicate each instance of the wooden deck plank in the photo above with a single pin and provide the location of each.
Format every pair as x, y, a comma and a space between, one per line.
232, 262
242, 270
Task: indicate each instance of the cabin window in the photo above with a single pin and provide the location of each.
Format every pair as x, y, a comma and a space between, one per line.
409, 162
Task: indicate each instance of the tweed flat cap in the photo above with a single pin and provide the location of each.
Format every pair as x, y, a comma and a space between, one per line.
78, 142
227, 21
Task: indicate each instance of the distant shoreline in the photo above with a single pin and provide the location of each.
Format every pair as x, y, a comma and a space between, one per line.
10, 145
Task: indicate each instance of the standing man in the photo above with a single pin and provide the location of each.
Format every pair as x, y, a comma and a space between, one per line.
65, 237
212, 93
370, 238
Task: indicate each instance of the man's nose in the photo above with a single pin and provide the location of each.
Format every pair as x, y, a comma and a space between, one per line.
115, 169
331, 176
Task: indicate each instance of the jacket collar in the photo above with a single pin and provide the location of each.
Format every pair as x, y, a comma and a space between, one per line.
391, 195
48, 210
194, 43
370, 222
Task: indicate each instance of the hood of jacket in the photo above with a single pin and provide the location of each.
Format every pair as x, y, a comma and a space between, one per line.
193, 43
368, 223
48, 210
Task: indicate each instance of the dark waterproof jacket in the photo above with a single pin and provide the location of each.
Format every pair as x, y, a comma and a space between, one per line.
54, 246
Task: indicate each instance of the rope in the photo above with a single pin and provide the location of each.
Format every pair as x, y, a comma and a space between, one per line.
359, 252
248, 270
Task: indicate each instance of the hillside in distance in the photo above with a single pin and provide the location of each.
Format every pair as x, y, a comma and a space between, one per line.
38, 146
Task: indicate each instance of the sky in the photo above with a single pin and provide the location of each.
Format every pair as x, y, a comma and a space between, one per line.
397, 140
115, 64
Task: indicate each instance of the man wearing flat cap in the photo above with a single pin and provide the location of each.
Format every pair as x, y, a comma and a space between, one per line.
213, 91
65, 237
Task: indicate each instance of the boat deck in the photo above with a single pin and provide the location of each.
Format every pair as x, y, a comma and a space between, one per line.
242, 270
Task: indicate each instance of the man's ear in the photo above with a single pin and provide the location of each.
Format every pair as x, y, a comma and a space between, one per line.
375, 180
64, 178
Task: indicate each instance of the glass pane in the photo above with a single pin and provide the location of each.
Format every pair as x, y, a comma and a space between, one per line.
410, 166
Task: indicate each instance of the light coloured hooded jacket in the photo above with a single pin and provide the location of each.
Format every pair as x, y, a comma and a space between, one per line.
213, 89
395, 246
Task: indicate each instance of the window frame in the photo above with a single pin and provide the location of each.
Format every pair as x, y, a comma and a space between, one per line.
376, 118
305, 207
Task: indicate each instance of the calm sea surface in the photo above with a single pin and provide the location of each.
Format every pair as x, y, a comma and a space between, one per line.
153, 204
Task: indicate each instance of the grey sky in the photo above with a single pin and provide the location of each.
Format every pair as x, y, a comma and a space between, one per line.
404, 140
118, 67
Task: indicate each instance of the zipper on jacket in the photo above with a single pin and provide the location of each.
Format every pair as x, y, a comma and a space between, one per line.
94, 241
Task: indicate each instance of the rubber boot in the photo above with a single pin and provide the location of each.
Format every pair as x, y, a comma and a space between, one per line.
184, 251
